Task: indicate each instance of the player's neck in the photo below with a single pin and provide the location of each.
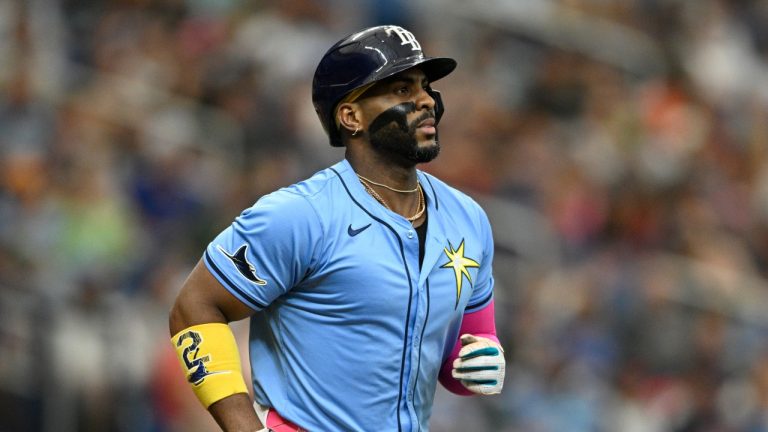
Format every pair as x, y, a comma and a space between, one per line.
381, 170
395, 185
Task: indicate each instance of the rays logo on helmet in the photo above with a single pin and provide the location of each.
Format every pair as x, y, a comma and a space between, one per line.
406, 37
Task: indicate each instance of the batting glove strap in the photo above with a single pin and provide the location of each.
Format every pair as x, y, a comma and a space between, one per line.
480, 366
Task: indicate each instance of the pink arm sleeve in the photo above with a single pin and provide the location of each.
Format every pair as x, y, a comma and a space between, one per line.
479, 323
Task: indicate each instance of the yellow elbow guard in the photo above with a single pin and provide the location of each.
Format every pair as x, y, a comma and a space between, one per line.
210, 360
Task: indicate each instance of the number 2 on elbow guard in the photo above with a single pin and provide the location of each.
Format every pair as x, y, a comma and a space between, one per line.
196, 371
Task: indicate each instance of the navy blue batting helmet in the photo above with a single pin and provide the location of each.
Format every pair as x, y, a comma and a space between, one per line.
365, 57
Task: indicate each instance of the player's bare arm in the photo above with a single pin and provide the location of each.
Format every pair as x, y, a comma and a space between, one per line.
202, 300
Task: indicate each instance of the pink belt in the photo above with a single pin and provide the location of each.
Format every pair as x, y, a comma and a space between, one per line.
277, 423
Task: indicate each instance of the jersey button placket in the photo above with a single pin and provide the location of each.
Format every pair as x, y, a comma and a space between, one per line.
410, 234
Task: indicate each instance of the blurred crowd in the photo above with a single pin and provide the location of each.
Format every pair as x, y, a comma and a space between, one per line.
620, 149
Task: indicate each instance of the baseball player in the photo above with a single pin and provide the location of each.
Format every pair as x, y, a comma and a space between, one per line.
365, 284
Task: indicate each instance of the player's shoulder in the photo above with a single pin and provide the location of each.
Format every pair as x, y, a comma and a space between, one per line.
451, 198
319, 191
311, 187
299, 199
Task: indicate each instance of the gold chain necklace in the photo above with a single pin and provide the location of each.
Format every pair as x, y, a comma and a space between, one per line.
390, 187
420, 209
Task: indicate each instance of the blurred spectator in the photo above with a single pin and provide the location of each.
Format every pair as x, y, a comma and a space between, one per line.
620, 149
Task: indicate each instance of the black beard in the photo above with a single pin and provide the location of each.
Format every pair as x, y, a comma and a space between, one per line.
394, 138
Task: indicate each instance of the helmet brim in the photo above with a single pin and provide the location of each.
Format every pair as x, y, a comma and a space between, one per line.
434, 68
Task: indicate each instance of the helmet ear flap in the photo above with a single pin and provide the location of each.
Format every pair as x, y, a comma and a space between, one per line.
439, 108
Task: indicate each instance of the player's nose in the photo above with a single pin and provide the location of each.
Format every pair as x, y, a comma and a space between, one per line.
424, 100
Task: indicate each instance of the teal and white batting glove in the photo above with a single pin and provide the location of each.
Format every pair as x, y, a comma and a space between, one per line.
480, 366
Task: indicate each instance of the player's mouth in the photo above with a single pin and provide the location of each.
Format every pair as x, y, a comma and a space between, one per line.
427, 126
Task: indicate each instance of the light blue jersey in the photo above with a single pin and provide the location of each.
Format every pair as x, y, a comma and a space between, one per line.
350, 333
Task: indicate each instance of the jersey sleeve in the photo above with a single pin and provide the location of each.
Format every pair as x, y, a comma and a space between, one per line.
482, 292
267, 250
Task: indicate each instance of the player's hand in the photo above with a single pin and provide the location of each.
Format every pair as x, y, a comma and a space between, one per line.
480, 366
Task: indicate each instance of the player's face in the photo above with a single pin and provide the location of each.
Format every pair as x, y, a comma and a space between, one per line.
403, 118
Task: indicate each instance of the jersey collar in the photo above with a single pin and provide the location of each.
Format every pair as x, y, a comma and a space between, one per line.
348, 175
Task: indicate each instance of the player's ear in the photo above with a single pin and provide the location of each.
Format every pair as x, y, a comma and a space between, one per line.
348, 117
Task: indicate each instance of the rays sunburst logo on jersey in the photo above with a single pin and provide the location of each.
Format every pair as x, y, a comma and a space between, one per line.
459, 263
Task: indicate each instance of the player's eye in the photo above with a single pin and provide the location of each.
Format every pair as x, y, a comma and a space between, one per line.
402, 90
